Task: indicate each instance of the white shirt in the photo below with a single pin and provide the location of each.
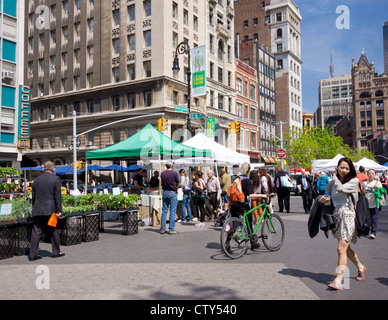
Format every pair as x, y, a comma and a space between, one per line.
370, 191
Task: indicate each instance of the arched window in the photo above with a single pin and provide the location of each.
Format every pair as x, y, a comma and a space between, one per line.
279, 33
379, 103
365, 94
379, 93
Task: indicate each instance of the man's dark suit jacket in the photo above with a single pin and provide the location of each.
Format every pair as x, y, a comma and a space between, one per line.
309, 183
46, 195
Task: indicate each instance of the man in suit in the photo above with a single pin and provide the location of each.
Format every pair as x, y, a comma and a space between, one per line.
46, 200
306, 190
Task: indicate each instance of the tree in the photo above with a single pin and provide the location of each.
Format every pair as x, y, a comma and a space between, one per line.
317, 143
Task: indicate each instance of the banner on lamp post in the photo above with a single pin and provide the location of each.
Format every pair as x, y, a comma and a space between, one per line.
198, 71
210, 127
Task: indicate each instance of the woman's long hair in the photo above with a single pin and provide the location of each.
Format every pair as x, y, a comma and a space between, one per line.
255, 178
352, 173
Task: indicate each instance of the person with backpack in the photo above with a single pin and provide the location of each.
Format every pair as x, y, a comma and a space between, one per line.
322, 182
341, 190
368, 188
239, 195
282, 190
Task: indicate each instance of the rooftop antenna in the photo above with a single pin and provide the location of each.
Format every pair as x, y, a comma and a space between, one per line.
331, 66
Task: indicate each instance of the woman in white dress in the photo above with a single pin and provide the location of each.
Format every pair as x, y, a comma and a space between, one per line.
343, 185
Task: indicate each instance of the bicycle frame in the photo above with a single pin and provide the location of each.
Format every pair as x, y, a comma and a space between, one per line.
265, 213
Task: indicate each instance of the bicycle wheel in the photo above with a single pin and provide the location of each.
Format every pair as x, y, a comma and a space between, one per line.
234, 238
272, 232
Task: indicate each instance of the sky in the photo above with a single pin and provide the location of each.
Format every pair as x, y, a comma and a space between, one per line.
320, 36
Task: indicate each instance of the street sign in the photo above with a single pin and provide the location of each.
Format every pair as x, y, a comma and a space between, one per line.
281, 153
196, 115
181, 109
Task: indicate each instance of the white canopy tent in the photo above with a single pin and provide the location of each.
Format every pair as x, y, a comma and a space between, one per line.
221, 155
327, 164
369, 164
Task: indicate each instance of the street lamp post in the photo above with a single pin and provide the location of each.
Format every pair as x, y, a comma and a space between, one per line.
184, 48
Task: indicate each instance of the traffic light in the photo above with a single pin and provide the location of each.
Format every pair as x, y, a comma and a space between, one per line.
79, 165
237, 127
231, 127
162, 124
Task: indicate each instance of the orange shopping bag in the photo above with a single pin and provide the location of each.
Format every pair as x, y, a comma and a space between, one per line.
53, 220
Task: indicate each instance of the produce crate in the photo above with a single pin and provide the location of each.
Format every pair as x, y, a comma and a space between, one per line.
70, 233
7, 233
22, 238
130, 222
90, 226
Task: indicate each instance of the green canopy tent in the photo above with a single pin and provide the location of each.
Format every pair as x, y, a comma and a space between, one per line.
148, 144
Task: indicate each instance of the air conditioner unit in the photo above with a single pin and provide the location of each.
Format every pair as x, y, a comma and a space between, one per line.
51, 116
8, 75
89, 143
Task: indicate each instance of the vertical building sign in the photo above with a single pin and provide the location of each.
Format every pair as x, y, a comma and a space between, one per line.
198, 71
24, 117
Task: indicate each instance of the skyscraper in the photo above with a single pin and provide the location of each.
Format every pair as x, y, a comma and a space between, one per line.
385, 45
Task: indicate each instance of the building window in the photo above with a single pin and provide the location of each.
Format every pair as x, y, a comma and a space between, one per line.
116, 46
131, 13
220, 102
90, 80
246, 24
278, 17
116, 136
239, 110
279, 33
116, 103
220, 73
131, 72
147, 38
116, 74
147, 95
147, 8
147, 69
131, 42
239, 86
131, 101
90, 106
116, 18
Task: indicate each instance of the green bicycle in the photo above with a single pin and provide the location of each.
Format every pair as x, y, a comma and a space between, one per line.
237, 233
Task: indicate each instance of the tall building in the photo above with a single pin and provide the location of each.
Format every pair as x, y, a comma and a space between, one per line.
285, 20
112, 60
14, 134
385, 45
370, 99
275, 24
220, 82
246, 110
335, 98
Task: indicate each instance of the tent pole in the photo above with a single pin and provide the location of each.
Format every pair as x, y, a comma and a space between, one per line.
86, 176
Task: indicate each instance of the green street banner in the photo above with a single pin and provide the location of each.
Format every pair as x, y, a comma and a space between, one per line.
210, 127
198, 71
